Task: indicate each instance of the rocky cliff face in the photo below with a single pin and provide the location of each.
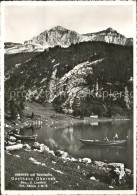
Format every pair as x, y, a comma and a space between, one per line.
55, 36
64, 38
109, 35
79, 80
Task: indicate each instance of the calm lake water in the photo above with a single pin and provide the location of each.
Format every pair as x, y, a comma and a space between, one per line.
67, 139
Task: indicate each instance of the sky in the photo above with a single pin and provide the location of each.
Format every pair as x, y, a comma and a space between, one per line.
24, 22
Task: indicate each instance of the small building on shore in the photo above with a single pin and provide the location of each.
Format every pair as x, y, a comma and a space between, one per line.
94, 116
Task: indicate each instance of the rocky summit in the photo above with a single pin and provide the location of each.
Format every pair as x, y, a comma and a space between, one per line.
56, 36
63, 37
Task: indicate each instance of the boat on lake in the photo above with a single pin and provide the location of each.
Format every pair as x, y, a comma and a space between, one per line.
103, 143
23, 137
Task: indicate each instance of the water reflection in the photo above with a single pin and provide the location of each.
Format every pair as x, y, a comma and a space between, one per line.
106, 154
94, 124
67, 139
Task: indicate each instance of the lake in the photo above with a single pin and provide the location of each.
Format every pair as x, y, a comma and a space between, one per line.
67, 139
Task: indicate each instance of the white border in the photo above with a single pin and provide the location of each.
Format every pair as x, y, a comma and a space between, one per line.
2, 98
60, 3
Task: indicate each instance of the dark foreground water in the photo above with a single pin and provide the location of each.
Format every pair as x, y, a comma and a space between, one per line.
67, 139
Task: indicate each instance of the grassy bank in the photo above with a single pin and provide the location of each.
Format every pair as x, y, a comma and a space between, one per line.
68, 175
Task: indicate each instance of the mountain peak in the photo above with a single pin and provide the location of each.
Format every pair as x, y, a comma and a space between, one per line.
110, 30
58, 28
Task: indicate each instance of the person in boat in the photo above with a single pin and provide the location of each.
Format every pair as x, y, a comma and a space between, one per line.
115, 138
106, 139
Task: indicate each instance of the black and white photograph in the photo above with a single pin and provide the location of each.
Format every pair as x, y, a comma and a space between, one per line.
69, 97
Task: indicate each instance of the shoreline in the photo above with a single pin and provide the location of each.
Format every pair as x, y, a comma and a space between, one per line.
61, 160
46, 116
94, 174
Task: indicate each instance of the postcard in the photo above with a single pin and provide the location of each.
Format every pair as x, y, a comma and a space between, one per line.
68, 91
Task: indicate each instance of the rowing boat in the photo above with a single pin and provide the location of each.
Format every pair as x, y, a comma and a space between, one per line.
103, 143
22, 137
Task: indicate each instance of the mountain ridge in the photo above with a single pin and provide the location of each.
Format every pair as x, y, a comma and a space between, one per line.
64, 37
